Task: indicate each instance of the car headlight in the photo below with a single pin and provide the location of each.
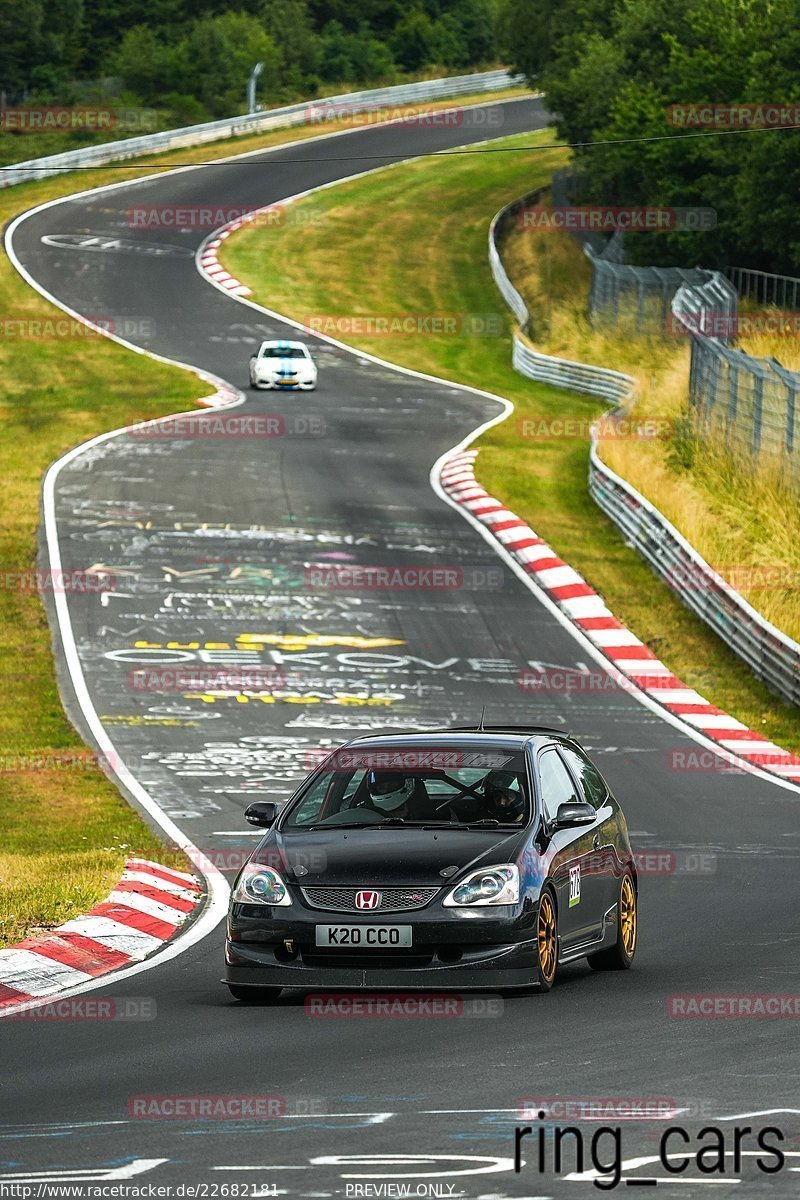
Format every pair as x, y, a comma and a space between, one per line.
261, 885
490, 885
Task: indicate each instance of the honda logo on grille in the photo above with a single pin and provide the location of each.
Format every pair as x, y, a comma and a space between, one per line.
368, 899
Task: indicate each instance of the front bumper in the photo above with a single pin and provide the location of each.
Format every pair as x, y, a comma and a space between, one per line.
301, 384
449, 951
498, 966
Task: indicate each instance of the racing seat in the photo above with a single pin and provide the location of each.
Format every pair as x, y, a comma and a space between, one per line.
423, 807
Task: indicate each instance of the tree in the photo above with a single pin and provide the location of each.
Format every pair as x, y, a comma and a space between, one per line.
148, 67
414, 40
215, 58
611, 75
288, 24
39, 47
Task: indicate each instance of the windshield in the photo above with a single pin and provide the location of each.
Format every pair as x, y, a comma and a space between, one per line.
463, 786
287, 352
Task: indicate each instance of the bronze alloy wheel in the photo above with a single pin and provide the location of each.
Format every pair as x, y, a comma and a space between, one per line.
547, 939
619, 957
627, 916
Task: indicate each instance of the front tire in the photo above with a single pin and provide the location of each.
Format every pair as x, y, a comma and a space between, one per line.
546, 941
619, 957
254, 995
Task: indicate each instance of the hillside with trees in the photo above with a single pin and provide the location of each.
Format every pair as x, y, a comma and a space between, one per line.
612, 71
191, 58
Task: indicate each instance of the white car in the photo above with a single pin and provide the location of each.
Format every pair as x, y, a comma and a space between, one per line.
283, 365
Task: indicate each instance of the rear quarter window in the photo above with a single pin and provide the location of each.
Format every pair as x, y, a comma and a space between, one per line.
590, 779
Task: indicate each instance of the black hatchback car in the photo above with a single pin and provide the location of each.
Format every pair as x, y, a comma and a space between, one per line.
454, 859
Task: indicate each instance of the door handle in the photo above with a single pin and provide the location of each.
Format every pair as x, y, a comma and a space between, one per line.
596, 842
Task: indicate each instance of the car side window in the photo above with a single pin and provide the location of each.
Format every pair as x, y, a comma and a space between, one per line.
556, 783
309, 807
590, 779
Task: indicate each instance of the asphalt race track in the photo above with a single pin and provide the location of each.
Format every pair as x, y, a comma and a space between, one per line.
209, 540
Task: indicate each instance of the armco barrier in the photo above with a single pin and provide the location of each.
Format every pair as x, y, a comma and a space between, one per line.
306, 112
559, 372
773, 657
575, 376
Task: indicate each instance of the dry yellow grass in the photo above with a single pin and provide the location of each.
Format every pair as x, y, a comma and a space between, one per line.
783, 347
743, 518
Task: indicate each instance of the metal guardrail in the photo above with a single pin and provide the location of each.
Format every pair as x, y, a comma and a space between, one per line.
313, 112
773, 656
504, 285
545, 368
765, 287
574, 376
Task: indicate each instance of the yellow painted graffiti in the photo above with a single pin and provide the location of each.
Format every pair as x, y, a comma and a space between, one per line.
284, 641
303, 641
311, 698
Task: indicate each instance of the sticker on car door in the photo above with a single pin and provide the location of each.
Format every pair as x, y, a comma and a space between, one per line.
574, 885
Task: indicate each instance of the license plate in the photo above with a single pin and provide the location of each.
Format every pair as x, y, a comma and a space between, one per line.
370, 937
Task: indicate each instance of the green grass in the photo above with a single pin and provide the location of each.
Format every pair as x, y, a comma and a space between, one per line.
413, 239
64, 829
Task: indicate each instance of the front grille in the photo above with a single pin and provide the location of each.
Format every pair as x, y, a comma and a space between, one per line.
392, 899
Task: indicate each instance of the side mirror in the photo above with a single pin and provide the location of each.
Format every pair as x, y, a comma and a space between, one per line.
573, 814
262, 813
